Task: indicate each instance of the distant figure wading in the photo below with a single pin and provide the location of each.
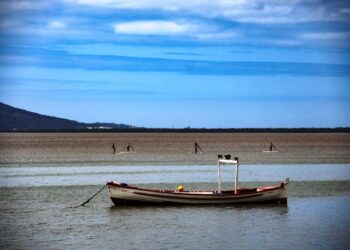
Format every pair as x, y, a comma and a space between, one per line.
128, 147
272, 146
197, 147
113, 147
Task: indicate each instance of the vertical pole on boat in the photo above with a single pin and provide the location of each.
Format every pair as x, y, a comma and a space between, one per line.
219, 177
236, 177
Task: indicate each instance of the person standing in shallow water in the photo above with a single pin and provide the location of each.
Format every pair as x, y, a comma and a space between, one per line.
113, 147
272, 146
197, 147
128, 147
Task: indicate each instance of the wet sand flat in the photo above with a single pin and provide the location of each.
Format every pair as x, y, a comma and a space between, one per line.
171, 148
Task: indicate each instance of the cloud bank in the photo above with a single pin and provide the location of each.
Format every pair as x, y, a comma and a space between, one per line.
156, 27
249, 11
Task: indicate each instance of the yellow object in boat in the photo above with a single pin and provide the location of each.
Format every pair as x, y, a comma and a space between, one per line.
180, 188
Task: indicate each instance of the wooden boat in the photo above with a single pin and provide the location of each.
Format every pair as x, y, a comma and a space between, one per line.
124, 194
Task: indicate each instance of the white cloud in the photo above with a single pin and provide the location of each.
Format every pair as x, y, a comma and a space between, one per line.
250, 11
155, 27
197, 30
283, 42
170, 28
217, 36
327, 36
56, 25
172, 5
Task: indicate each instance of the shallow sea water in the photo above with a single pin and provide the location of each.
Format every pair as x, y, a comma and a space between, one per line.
46, 175
34, 214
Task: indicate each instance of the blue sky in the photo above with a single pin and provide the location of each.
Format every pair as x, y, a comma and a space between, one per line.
175, 63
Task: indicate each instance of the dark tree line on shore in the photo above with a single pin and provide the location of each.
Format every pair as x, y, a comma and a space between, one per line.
193, 130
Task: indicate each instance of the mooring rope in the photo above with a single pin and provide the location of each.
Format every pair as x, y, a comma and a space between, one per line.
93, 196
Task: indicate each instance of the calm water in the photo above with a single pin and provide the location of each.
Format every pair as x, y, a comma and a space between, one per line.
94, 175
36, 207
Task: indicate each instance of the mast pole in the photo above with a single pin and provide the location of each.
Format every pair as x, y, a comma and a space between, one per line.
236, 177
219, 176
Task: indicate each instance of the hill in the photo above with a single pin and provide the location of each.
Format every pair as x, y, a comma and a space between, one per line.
15, 119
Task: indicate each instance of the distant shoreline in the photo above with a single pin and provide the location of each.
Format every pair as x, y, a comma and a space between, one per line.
189, 130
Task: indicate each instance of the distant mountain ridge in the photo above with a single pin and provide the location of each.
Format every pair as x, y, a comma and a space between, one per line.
15, 119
